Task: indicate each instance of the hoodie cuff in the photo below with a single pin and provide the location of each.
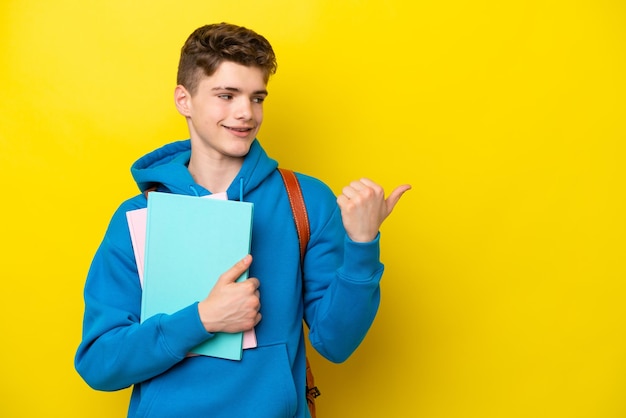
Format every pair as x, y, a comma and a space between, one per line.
183, 330
361, 260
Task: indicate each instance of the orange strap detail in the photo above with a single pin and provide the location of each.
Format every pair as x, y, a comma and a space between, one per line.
296, 200
299, 209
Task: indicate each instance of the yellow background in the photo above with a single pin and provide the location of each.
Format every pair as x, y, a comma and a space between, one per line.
504, 290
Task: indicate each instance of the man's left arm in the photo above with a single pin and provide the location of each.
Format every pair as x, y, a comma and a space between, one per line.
346, 308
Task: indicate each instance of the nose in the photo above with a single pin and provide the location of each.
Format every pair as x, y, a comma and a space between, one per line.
244, 109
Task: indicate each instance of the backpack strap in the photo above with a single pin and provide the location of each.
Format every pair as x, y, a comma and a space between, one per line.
301, 218
148, 190
298, 208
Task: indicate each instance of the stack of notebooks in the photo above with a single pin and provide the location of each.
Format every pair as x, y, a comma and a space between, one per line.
182, 245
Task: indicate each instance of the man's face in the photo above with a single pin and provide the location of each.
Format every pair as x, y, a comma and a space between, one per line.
225, 113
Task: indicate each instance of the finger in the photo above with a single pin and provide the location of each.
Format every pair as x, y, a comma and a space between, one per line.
355, 188
232, 274
252, 282
373, 186
395, 196
359, 184
369, 183
257, 319
349, 192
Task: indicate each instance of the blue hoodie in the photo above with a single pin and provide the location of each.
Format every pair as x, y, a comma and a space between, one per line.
336, 291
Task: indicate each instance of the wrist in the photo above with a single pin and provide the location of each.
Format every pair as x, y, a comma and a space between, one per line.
206, 318
362, 237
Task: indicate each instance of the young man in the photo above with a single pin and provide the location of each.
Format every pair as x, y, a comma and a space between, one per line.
222, 79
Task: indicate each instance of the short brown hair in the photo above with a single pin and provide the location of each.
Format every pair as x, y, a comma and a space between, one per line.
208, 46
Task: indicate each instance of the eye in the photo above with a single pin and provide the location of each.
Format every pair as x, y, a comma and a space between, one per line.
225, 96
258, 99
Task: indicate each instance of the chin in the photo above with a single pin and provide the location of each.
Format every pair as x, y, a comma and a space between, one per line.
240, 151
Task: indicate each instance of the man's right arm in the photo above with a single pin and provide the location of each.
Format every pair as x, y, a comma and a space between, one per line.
116, 349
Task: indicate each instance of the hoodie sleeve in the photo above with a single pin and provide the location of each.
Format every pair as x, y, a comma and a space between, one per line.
342, 282
117, 350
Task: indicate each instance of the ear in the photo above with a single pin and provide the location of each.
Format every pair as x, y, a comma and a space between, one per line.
182, 100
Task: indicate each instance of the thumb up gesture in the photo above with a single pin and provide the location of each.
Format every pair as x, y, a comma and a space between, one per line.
232, 306
364, 208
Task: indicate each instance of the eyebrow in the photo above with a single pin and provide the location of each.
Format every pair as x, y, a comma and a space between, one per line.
238, 90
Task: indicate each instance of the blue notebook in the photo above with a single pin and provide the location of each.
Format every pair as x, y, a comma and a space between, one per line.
190, 242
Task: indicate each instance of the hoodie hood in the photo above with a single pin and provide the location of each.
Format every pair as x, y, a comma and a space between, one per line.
166, 168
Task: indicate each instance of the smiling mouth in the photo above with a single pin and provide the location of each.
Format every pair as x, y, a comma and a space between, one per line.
238, 129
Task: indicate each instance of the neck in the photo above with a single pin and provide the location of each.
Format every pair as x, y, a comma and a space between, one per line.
214, 175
